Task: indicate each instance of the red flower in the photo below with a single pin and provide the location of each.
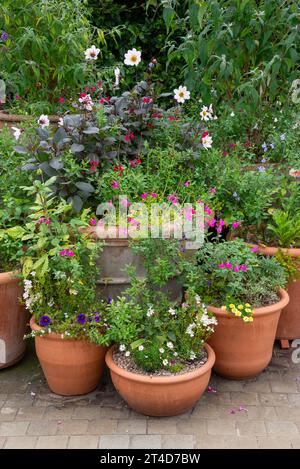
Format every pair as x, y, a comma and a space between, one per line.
232, 145
101, 101
82, 95
92, 89
131, 110
60, 99
86, 88
138, 161
107, 99
127, 138
132, 163
131, 135
171, 118
224, 153
149, 125
205, 134
146, 100
99, 84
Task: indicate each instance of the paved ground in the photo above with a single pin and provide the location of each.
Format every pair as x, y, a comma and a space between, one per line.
260, 413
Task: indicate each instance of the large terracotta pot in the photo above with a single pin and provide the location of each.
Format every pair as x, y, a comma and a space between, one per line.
13, 319
289, 321
242, 349
161, 396
15, 120
71, 367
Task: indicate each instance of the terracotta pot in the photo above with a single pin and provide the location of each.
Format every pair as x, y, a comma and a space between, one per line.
15, 120
13, 319
71, 367
242, 349
161, 396
289, 322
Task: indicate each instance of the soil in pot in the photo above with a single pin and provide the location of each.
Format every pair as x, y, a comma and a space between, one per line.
13, 320
243, 350
71, 367
161, 394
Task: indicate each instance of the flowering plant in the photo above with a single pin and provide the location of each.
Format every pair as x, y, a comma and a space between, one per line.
232, 273
160, 335
59, 269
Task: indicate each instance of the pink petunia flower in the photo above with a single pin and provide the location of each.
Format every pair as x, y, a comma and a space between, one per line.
187, 183
115, 184
40, 221
92, 221
254, 249
153, 194
211, 390
207, 210
236, 268
243, 267
236, 224
213, 190
222, 265
228, 265
63, 252
212, 222
144, 195
47, 221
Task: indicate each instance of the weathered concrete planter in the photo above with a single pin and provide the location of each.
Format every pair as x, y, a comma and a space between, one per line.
13, 319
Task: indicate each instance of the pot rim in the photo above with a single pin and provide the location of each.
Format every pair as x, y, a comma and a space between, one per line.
272, 250
7, 277
161, 379
263, 311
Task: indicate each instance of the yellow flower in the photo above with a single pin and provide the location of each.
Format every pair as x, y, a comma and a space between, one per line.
247, 305
250, 319
246, 319
223, 308
231, 306
240, 306
238, 313
248, 310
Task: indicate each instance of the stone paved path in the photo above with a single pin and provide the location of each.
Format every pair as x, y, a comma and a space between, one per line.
32, 417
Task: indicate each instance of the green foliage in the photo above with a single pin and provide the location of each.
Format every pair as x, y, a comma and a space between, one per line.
43, 57
229, 272
285, 228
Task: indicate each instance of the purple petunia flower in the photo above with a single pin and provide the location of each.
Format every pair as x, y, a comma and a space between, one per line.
108, 300
282, 137
261, 169
81, 318
4, 36
272, 146
97, 318
45, 320
264, 160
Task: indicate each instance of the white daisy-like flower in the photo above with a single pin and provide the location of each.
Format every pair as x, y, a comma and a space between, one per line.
232, 114
205, 114
33, 273
141, 347
172, 311
170, 345
161, 350
181, 94
43, 121
165, 362
132, 57
127, 354
61, 122
16, 132
175, 354
150, 311
91, 53
207, 142
192, 355
87, 102
122, 348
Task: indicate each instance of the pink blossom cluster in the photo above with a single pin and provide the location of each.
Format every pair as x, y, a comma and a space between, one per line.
66, 252
229, 266
43, 220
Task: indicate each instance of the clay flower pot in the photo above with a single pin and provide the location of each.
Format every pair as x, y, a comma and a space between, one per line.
289, 321
13, 319
242, 349
71, 367
161, 396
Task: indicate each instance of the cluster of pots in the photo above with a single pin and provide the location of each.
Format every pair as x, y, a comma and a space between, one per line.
236, 350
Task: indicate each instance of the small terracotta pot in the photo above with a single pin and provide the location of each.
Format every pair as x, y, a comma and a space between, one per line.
289, 322
13, 319
71, 367
161, 396
242, 349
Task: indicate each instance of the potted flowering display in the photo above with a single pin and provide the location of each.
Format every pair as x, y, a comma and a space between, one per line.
59, 273
244, 291
161, 363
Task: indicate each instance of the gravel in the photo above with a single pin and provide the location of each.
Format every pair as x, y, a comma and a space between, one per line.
128, 364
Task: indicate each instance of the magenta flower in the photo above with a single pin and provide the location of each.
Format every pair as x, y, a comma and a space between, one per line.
146, 100
70, 253
236, 224
153, 194
213, 190
92, 221
40, 221
170, 197
212, 222
47, 221
228, 265
243, 267
115, 184
125, 203
63, 252
219, 229
236, 268
175, 200
132, 163
144, 195
207, 210
221, 222
211, 390
187, 183
222, 265
254, 249
127, 138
